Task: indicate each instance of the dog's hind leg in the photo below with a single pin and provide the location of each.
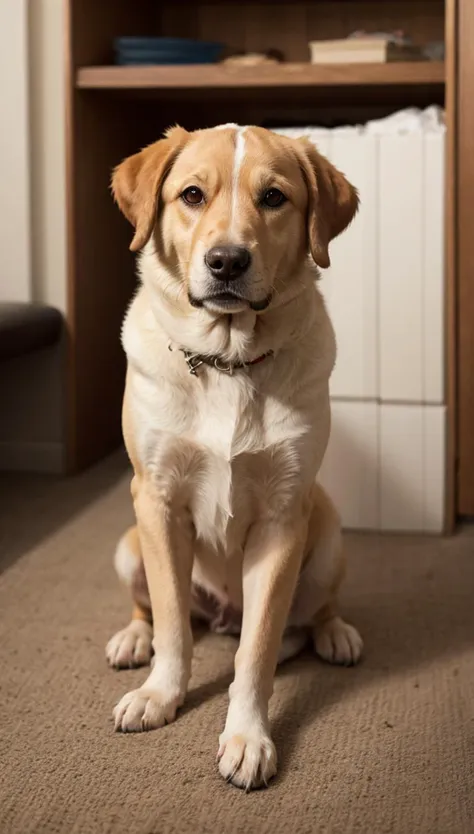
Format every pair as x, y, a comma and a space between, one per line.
293, 642
315, 601
132, 645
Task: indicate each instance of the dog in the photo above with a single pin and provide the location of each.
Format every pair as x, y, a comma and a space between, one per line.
226, 419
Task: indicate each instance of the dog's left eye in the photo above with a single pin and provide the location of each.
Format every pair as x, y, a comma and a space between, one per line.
273, 198
193, 195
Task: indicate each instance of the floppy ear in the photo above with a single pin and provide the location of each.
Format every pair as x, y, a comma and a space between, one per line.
137, 181
332, 202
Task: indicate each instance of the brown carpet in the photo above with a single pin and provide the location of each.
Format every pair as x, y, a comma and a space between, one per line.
385, 747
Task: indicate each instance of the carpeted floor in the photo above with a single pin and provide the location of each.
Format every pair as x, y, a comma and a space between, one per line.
385, 747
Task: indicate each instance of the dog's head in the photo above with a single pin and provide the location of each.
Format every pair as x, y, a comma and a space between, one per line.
233, 211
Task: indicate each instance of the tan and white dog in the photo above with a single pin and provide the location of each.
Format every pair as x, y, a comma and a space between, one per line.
226, 420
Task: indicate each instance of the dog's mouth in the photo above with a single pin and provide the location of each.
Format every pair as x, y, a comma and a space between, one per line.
226, 301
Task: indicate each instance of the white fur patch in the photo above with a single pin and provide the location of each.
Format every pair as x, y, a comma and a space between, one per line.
227, 126
238, 159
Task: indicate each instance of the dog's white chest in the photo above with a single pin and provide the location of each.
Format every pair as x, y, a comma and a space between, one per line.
213, 429
219, 407
210, 441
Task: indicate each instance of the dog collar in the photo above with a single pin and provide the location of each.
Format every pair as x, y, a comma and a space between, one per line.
195, 360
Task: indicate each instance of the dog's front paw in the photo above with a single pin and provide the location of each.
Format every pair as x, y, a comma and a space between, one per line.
144, 709
338, 642
131, 646
248, 760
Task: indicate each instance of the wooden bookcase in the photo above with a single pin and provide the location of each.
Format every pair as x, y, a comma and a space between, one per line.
112, 111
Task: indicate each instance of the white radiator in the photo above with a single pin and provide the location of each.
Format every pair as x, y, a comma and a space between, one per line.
385, 465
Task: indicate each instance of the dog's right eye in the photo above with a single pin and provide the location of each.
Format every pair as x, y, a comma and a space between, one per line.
193, 196
273, 198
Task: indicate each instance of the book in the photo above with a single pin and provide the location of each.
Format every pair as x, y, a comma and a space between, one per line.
363, 50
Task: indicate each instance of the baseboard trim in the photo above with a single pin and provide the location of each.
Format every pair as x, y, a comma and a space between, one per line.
32, 457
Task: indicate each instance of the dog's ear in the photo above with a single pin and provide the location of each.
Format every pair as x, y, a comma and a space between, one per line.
332, 202
137, 181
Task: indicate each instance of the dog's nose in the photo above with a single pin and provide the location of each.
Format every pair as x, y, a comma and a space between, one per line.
227, 262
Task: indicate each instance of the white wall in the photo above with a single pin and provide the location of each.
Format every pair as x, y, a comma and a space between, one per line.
48, 150
32, 152
33, 223
15, 233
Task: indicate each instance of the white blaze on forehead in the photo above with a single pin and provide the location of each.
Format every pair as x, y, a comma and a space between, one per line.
239, 155
228, 126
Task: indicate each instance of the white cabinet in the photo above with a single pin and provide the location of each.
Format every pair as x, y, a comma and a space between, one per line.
350, 468
384, 289
350, 285
385, 464
400, 268
433, 268
412, 464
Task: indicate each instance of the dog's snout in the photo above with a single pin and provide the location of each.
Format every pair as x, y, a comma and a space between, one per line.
227, 262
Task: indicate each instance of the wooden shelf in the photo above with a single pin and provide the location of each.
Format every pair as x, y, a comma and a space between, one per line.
280, 75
